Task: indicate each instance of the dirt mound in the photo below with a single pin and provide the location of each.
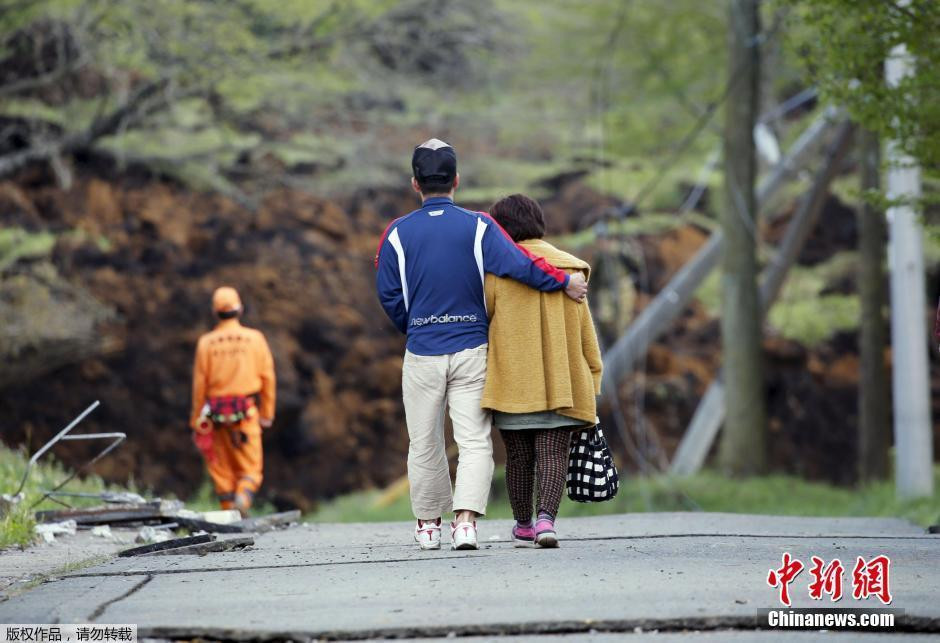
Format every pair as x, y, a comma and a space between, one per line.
811, 399
154, 252
812, 394
837, 230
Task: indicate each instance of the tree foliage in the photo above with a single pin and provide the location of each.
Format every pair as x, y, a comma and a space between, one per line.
843, 45
230, 78
221, 92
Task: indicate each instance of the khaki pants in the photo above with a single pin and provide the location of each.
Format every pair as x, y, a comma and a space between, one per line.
429, 383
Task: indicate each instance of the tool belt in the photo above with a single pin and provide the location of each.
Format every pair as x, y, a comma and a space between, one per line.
231, 409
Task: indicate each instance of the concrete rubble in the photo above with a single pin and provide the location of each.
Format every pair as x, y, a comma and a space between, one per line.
157, 522
102, 531
48, 531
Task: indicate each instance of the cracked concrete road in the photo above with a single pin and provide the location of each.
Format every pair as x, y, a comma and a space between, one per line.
20, 567
616, 574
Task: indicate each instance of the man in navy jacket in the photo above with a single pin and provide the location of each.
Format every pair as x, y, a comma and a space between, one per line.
431, 265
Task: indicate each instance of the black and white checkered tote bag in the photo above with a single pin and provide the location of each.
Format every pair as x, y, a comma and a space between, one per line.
592, 475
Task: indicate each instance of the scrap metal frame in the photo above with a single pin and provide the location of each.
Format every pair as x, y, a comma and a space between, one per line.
116, 437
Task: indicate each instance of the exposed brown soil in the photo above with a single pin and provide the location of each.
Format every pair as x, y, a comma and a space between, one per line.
811, 394
304, 268
154, 251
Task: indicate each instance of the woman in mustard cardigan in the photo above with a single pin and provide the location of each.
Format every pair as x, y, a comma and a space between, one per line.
543, 375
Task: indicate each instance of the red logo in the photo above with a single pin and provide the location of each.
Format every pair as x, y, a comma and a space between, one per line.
871, 579
868, 578
784, 576
827, 579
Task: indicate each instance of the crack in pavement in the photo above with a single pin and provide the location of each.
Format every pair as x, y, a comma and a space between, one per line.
756, 622
744, 622
197, 570
104, 606
432, 558
924, 536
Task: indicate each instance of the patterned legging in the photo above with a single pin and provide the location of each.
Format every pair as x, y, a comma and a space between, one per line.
531, 453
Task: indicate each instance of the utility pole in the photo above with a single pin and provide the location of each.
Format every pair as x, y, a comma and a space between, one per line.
912, 431
874, 428
743, 445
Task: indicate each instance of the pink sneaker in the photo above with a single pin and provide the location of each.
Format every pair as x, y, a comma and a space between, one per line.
545, 533
523, 535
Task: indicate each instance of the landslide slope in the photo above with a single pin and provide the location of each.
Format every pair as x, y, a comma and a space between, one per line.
152, 251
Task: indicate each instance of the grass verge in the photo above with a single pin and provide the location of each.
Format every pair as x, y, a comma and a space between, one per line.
16, 527
707, 491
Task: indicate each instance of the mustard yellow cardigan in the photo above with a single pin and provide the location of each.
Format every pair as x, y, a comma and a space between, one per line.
543, 353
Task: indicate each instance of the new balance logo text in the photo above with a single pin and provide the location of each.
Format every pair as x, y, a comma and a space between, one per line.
442, 319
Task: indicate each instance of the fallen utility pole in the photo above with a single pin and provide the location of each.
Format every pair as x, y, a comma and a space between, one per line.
669, 303
695, 444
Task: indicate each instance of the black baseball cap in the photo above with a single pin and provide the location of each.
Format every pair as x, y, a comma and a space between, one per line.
434, 162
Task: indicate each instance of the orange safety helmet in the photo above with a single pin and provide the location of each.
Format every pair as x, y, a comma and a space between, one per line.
226, 300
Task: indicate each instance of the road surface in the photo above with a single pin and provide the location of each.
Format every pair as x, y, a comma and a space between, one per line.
613, 576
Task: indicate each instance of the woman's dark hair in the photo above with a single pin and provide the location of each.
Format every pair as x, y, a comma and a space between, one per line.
520, 216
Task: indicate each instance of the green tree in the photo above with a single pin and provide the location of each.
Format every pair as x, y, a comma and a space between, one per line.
744, 439
842, 44
201, 84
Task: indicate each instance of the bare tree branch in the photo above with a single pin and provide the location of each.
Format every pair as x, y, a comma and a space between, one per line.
44, 80
145, 100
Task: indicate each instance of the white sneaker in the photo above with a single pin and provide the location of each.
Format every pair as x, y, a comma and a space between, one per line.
463, 535
428, 534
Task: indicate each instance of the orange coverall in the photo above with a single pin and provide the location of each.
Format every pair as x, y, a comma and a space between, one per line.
235, 360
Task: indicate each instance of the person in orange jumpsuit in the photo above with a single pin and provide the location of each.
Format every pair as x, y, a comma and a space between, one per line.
233, 399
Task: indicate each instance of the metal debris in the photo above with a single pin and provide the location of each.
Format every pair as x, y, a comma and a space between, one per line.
269, 522
228, 544
198, 524
156, 518
108, 497
150, 511
166, 515
62, 436
167, 544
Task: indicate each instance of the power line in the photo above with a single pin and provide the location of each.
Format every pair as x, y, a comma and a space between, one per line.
701, 122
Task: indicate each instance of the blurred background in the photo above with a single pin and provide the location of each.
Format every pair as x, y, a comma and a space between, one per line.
151, 151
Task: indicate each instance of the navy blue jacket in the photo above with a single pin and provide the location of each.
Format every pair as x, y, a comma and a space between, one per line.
431, 265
